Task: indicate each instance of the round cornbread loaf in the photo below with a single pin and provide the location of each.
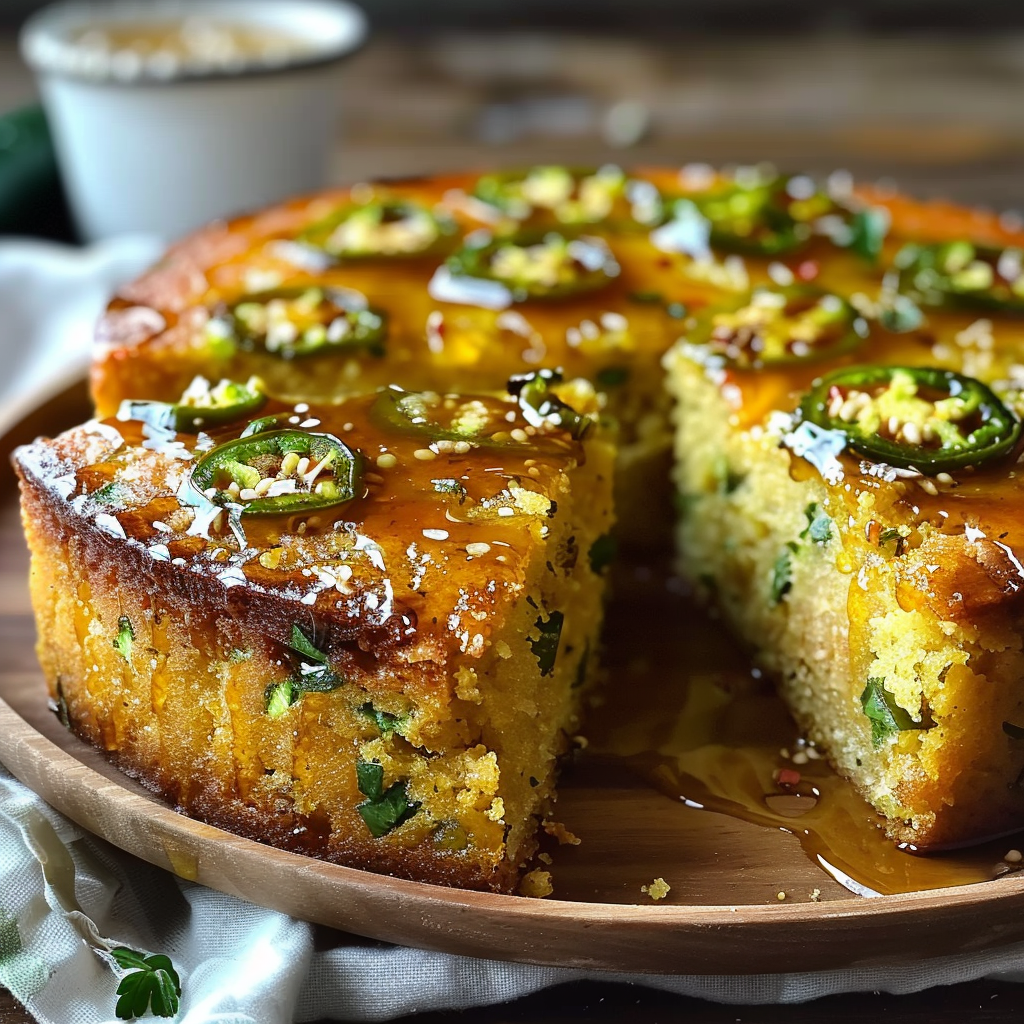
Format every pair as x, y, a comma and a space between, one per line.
746, 288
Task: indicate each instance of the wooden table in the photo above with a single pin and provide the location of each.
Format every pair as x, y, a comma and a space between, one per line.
937, 116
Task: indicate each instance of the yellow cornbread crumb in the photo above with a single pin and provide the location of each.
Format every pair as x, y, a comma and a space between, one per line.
561, 833
657, 890
536, 884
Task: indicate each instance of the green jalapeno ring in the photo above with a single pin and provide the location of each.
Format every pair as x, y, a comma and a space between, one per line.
996, 435
234, 461
532, 390
224, 403
834, 327
589, 261
340, 320
962, 274
573, 196
429, 232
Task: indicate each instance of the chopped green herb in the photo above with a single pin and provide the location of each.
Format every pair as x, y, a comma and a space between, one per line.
314, 675
279, 697
727, 480
384, 809
887, 717
125, 637
152, 983
545, 647
602, 553
612, 376
819, 525
648, 298
1015, 732
782, 576
887, 535
386, 722
450, 486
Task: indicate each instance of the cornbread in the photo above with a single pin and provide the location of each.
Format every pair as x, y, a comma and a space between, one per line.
360, 631
390, 684
882, 592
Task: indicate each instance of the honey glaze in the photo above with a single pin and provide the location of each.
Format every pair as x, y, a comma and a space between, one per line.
701, 765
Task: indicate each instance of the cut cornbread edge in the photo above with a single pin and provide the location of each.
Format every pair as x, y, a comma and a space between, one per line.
824, 617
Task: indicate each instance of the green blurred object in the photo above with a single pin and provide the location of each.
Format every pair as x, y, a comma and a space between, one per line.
31, 196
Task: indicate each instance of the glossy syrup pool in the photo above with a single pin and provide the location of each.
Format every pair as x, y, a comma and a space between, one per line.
680, 779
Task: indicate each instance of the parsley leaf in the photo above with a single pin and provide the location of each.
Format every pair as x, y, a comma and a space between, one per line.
545, 647
819, 525
384, 809
152, 982
125, 636
887, 717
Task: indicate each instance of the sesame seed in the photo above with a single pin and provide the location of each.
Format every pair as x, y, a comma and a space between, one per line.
435, 534
461, 447
944, 478
928, 487
373, 478
248, 494
444, 445
386, 461
1013, 856
506, 511
424, 454
264, 485
477, 549
520, 435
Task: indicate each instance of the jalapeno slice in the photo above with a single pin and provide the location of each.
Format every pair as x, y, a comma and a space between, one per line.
572, 196
913, 417
294, 323
540, 405
380, 228
962, 274
772, 216
280, 472
201, 406
413, 414
779, 326
526, 266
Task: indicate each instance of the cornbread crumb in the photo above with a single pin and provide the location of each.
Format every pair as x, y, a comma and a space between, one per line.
780, 895
466, 687
544, 858
557, 830
657, 890
815, 895
503, 650
536, 884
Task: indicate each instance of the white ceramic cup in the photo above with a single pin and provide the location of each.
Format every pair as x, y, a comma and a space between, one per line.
167, 150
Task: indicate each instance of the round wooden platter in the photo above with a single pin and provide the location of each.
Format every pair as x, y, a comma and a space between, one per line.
722, 916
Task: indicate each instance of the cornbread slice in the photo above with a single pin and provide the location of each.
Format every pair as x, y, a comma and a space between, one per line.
861, 533
361, 631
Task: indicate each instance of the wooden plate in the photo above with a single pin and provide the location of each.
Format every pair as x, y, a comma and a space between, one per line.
722, 916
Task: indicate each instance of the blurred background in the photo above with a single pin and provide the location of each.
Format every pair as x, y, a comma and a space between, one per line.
929, 95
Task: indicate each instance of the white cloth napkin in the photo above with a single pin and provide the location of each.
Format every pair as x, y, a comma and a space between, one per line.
67, 898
